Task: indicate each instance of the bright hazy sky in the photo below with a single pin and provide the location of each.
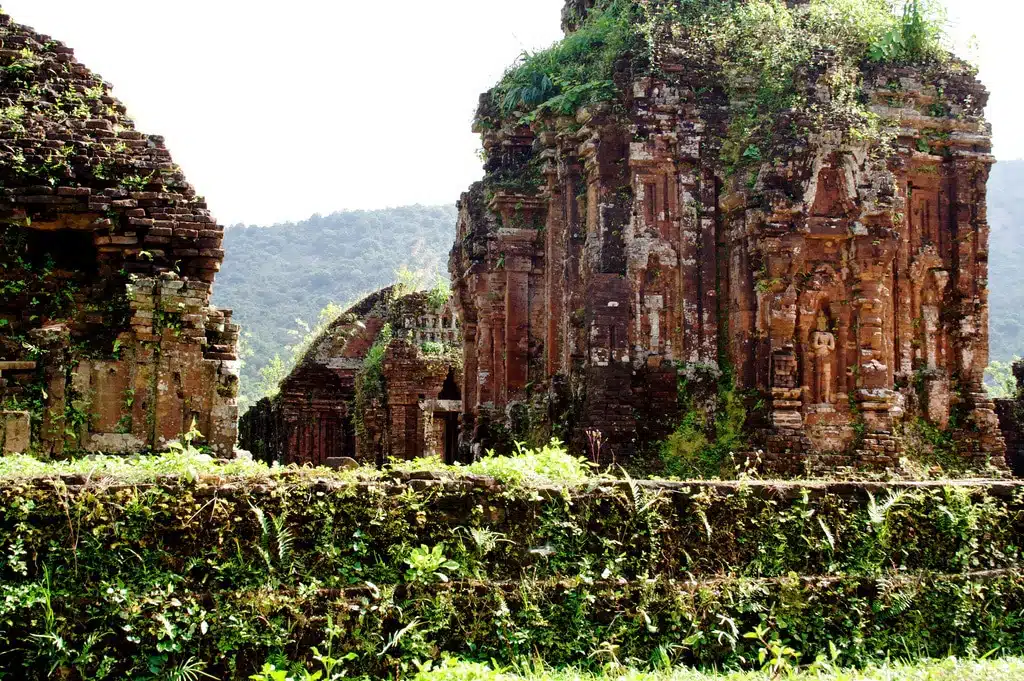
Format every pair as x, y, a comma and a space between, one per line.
277, 110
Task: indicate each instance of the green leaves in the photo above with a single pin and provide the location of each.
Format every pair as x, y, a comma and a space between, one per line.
551, 463
575, 72
275, 541
528, 90
752, 153
915, 36
270, 672
426, 564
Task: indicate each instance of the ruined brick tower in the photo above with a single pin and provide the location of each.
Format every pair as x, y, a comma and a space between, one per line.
107, 262
827, 260
381, 381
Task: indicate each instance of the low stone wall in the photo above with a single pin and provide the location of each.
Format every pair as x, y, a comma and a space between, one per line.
233, 569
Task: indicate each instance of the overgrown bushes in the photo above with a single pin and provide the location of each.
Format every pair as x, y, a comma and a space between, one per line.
577, 71
712, 427
768, 56
112, 568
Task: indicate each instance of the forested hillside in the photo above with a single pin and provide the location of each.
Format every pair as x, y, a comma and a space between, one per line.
273, 276
1006, 259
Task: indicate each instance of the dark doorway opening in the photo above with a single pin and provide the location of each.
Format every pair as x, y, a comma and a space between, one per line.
62, 249
451, 438
450, 392
450, 389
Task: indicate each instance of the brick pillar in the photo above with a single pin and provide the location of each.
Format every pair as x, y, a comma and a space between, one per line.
517, 306
470, 378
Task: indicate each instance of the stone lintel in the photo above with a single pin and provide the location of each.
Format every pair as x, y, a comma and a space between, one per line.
17, 366
438, 406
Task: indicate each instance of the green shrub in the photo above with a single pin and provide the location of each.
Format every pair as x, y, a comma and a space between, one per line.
710, 432
370, 384
549, 464
432, 348
577, 71
439, 296
917, 35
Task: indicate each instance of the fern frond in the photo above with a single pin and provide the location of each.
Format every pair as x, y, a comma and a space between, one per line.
265, 527
284, 539
828, 533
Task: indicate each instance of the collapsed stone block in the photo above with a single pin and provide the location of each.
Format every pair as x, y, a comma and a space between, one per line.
15, 432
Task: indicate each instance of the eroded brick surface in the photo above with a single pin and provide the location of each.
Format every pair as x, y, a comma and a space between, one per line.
110, 258
844, 286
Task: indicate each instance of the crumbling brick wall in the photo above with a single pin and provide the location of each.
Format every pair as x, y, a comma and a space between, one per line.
843, 287
1011, 423
107, 338
334, 404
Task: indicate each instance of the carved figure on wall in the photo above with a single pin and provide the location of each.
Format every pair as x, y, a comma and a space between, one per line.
823, 344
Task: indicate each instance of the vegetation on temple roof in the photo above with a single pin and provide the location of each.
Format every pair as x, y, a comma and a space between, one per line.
758, 52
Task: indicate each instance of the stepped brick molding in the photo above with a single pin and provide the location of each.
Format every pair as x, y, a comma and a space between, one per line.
107, 338
332, 407
843, 287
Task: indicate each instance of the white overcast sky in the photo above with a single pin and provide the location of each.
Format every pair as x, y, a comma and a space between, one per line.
280, 110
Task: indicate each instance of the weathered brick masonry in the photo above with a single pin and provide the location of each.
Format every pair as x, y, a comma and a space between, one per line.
332, 406
845, 285
1011, 422
107, 338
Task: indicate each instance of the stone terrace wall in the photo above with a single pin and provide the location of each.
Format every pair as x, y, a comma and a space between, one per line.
107, 338
871, 569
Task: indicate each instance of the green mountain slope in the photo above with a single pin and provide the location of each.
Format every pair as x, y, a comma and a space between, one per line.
1006, 259
273, 276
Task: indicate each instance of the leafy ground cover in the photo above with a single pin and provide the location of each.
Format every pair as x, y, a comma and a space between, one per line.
942, 670
153, 568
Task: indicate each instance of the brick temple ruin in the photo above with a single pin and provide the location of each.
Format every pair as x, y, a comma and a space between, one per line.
612, 271
107, 338
338, 403
843, 288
